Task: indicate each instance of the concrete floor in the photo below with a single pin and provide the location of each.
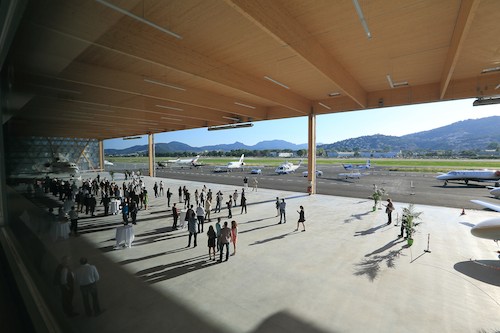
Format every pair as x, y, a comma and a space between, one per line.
347, 273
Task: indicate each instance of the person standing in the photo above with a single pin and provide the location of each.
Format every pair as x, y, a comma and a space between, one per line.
169, 195
161, 188
302, 219
208, 208
217, 233
277, 206
200, 216
105, 201
191, 218
87, 277
73, 217
155, 189
145, 199
282, 211
229, 204
175, 215
65, 278
255, 184
92, 204
211, 242
388, 209
133, 211
224, 239
243, 203
235, 198
234, 235
218, 201
245, 182
180, 193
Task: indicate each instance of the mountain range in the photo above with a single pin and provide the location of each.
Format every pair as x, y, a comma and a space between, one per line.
463, 135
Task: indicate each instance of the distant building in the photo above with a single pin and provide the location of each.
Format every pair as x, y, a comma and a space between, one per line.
285, 155
340, 154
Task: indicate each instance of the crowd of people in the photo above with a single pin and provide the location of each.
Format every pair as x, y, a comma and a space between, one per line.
94, 198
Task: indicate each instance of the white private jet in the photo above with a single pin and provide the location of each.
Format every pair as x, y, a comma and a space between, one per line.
467, 175
350, 167
287, 167
490, 228
106, 162
231, 165
185, 162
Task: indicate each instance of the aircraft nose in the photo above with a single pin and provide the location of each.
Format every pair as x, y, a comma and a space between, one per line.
489, 229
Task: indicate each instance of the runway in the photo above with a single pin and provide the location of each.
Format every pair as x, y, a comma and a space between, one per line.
412, 187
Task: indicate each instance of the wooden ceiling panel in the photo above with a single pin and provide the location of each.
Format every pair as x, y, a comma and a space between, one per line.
82, 62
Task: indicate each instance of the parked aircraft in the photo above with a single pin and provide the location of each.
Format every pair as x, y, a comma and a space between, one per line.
467, 175
231, 165
178, 162
489, 229
347, 175
349, 167
287, 167
106, 162
495, 191
59, 165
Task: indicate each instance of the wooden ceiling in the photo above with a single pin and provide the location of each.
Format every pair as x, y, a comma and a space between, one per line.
87, 69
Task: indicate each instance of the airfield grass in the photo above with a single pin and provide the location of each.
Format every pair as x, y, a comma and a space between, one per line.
413, 165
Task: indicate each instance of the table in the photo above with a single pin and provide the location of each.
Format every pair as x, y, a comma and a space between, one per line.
181, 223
60, 230
115, 204
125, 235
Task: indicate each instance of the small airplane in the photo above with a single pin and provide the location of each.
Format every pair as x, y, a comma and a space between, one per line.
287, 167
238, 164
467, 175
231, 165
106, 162
351, 175
494, 191
349, 167
490, 228
190, 161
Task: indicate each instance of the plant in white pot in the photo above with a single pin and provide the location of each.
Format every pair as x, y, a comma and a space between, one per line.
377, 197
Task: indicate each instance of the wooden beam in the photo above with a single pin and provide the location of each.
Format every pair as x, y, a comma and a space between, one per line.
274, 19
464, 21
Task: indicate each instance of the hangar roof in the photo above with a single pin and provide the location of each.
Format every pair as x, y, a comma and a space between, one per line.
113, 68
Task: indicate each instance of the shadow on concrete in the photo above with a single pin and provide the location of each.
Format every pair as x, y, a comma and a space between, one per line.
467, 224
129, 261
284, 322
486, 271
369, 231
370, 267
164, 272
358, 217
386, 247
274, 238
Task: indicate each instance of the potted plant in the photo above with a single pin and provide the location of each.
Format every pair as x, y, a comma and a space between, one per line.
377, 197
410, 216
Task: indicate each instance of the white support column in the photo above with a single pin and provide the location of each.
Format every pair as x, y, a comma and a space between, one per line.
151, 154
311, 152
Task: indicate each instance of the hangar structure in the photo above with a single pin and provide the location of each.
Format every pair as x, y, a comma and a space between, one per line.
101, 69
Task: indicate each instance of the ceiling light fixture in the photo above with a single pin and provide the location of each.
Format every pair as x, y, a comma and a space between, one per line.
490, 70
486, 101
325, 106
148, 122
395, 84
230, 126
498, 86
138, 18
169, 107
163, 84
132, 138
362, 18
334, 94
174, 119
276, 82
244, 105
231, 118
57, 89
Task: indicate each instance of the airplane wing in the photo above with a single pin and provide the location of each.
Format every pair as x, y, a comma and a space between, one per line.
487, 205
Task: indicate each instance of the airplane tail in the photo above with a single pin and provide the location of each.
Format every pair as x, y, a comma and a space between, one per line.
241, 158
300, 162
194, 160
368, 164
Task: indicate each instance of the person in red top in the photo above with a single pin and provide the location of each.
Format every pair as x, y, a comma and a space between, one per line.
234, 235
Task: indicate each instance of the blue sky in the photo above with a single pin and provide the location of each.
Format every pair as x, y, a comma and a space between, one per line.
331, 128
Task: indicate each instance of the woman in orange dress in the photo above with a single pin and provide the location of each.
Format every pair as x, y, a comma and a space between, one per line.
234, 235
